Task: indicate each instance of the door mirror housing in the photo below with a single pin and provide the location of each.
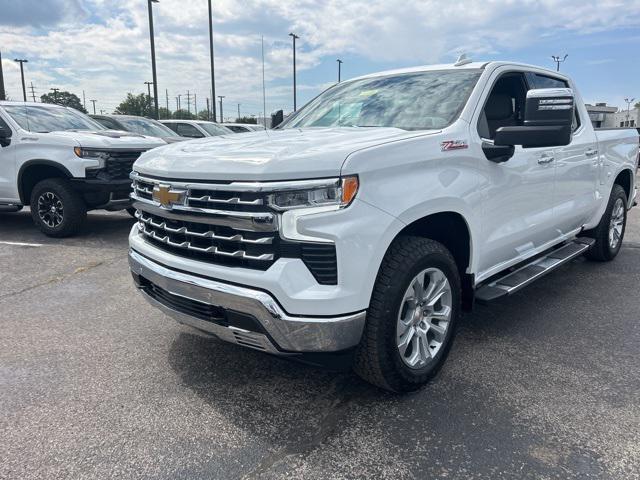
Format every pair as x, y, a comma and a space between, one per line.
5, 135
548, 119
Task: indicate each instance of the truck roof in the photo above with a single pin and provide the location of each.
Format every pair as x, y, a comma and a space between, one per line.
31, 104
451, 66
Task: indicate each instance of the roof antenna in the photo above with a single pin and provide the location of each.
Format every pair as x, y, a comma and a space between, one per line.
462, 60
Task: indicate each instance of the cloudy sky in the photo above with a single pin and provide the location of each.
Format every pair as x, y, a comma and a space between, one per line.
102, 46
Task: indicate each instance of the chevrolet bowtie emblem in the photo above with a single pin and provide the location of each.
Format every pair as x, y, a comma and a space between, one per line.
165, 196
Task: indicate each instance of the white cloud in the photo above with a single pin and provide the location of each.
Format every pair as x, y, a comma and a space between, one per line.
106, 50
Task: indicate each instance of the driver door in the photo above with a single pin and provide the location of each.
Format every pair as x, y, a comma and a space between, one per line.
8, 183
517, 216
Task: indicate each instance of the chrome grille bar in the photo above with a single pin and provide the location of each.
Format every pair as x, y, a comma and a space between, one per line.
232, 200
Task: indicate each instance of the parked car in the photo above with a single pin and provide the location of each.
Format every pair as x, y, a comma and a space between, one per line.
244, 127
62, 163
141, 125
366, 222
196, 128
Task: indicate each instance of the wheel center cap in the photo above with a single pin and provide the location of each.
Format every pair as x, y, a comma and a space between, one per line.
53, 209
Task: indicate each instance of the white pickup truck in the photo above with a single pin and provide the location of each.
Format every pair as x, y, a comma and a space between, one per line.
374, 215
62, 163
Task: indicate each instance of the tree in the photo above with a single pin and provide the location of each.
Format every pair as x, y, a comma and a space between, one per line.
183, 115
203, 115
637, 105
64, 98
164, 113
140, 105
247, 120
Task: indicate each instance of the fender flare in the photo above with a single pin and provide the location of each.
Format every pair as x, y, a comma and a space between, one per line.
34, 163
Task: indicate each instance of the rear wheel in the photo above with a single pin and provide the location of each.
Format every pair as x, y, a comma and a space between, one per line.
56, 209
610, 231
412, 316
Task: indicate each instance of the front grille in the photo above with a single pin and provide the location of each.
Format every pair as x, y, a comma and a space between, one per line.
118, 165
225, 226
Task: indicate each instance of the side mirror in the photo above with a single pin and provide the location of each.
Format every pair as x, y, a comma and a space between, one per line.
5, 136
548, 118
277, 118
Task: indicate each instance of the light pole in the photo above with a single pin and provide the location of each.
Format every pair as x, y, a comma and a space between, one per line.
558, 60
94, 105
295, 37
628, 101
238, 112
2, 94
148, 84
153, 58
221, 117
213, 81
22, 61
339, 65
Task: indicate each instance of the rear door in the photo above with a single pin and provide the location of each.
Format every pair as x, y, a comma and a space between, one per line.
8, 174
577, 166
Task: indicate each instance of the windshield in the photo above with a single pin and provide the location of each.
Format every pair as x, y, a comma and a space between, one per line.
214, 130
411, 101
49, 119
144, 126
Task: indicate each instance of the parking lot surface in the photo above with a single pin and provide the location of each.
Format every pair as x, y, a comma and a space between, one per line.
95, 383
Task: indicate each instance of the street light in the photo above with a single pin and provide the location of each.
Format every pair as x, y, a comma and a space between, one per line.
213, 81
94, 105
22, 61
148, 84
556, 58
339, 65
294, 36
628, 101
221, 117
153, 58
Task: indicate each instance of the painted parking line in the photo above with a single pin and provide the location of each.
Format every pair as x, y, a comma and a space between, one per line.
21, 244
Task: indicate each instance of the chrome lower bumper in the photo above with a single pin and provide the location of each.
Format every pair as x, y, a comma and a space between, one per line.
285, 333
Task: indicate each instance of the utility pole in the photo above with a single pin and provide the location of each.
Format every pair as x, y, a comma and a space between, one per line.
94, 105
55, 94
339, 65
153, 57
84, 100
208, 110
22, 61
195, 105
213, 78
295, 37
628, 101
179, 103
3, 96
33, 92
221, 117
238, 112
166, 92
148, 84
188, 102
558, 60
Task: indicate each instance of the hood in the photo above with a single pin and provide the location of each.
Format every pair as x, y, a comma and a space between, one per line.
106, 139
265, 155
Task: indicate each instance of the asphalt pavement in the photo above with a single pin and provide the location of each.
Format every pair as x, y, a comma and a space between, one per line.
96, 384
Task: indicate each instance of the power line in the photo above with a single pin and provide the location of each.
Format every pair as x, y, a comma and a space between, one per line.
33, 92
55, 94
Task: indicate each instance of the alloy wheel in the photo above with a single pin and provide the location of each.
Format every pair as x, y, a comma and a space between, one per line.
50, 209
616, 224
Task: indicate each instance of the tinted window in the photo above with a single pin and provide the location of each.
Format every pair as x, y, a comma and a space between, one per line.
4, 125
411, 101
107, 122
186, 130
214, 130
543, 81
171, 126
144, 126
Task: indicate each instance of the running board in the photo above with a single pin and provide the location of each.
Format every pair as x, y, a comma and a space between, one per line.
523, 276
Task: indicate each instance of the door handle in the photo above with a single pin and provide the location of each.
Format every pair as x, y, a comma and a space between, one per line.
545, 158
591, 152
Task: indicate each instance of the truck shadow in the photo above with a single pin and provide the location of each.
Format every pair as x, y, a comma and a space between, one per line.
101, 228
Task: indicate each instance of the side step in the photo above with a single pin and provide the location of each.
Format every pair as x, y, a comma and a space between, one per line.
523, 276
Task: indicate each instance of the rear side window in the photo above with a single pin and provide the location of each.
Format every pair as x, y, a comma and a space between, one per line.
172, 126
186, 130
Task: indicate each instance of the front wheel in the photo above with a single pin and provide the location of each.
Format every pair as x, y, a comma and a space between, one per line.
57, 209
610, 231
412, 317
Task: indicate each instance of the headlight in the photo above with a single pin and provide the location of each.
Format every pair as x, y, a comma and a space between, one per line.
99, 155
340, 193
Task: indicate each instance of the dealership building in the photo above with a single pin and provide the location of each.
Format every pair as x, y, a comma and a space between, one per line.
607, 116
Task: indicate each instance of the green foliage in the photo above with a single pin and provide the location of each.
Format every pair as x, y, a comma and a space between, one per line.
141, 105
203, 115
253, 120
183, 115
65, 98
163, 113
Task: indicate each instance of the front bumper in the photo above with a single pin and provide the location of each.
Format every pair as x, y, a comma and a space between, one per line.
264, 324
104, 194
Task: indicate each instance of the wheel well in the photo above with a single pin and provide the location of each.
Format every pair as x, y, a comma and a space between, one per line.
451, 230
625, 180
35, 171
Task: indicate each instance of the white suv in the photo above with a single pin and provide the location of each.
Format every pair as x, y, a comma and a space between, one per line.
196, 128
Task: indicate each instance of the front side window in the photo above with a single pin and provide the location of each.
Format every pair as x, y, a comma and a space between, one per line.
410, 101
50, 119
144, 126
213, 129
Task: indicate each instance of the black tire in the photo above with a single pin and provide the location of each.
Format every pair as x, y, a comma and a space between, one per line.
70, 208
602, 251
131, 211
377, 358
10, 209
